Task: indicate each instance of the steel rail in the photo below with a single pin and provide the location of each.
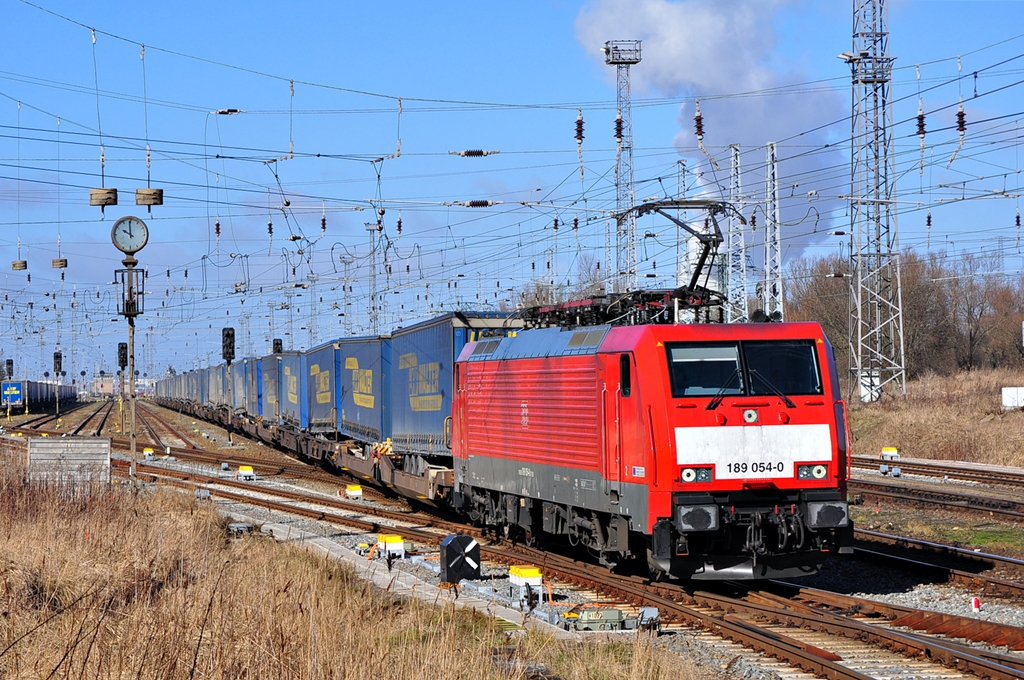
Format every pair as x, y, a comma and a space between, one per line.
949, 499
812, 601
984, 558
99, 407
959, 470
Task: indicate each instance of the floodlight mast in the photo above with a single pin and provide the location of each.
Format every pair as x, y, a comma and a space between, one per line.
622, 54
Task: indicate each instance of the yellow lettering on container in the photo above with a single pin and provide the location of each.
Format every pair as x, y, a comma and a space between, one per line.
323, 387
362, 387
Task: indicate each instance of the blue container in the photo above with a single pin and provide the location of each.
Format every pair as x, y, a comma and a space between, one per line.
270, 399
210, 390
420, 381
294, 400
362, 399
239, 379
219, 385
323, 371
35, 393
254, 387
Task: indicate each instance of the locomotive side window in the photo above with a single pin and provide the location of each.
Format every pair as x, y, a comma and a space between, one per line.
624, 376
705, 369
787, 366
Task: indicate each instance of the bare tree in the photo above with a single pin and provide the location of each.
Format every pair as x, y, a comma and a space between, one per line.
589, 280
927, 316
970, 288
817, 290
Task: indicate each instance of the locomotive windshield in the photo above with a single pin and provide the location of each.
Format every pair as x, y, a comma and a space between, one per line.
705, 369
751, 367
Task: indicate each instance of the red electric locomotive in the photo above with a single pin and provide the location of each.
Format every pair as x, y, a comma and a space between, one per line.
719, 451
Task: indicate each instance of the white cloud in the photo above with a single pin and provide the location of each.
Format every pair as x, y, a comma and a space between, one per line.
691, 46
705, 48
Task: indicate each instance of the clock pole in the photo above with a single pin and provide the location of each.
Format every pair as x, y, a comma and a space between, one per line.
132, 282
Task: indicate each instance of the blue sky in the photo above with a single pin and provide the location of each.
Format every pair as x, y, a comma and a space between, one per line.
494, 76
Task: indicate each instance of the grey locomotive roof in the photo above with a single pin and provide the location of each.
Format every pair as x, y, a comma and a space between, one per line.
541, 342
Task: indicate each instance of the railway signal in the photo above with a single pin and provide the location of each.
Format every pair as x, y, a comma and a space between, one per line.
227, 345
58, 363
227, 350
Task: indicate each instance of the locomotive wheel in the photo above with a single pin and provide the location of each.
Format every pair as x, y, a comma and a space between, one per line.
654, 571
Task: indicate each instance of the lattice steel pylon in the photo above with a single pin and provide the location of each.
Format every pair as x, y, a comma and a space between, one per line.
772, 299
623, 54
736, 253
876, 309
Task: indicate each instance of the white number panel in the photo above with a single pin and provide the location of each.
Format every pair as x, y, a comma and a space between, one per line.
753, 451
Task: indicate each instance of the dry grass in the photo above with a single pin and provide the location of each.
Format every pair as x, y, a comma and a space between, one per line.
113, 584
957, 417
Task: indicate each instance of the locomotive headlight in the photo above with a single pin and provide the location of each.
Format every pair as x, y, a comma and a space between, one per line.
695, 475
811, 471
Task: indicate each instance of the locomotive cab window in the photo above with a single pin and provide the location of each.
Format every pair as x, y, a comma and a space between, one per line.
787, 366
752, 367
704, 369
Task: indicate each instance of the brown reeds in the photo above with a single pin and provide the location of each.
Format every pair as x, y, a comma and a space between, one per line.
956, 417
115, 583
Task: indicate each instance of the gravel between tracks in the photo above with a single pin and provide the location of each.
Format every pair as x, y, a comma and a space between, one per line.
860, 578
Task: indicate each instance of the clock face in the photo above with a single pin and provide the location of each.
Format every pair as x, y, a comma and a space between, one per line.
129, 235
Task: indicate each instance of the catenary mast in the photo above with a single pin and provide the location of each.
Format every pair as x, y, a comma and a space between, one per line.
876, 310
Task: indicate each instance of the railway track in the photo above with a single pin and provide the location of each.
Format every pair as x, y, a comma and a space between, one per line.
962, 471
37, 422
102, 407
917, 495
149, 415
795, 624
870, 540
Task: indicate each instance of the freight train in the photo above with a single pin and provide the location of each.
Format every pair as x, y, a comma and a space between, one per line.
30, 395
708, 451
